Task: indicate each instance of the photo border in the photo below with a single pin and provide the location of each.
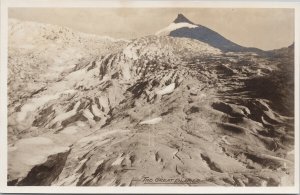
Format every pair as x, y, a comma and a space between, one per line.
5, 4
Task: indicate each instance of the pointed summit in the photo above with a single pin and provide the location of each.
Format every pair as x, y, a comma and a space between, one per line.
183, 27
181, 18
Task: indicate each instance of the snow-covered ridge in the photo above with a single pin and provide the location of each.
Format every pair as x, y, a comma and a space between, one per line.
43, 28
41, 53
174, 26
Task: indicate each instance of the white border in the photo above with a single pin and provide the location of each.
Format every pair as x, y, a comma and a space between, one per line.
150, 3
5, 4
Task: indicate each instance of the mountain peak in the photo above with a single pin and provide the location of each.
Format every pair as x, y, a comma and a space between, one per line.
181, 18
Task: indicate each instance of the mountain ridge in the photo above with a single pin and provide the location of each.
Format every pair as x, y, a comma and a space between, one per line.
206, 35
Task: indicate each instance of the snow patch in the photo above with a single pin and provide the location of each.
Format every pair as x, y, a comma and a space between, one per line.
35, 103
35, 141
69, 130
174, 26
33, 151
104, 102
118, 161
151, 121
38, 159
66, 115
96, 111
87, 114
167, 90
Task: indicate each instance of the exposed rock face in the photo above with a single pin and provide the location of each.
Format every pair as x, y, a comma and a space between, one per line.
182, 19
158, 107
36, 161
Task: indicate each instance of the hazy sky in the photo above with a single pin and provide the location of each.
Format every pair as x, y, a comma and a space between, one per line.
261, 28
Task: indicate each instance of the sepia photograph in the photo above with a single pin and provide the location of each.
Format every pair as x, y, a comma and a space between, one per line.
150, 96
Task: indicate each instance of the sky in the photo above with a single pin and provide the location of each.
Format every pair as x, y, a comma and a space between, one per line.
267, 28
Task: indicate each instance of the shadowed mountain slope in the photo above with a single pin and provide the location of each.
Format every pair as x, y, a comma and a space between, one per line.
206, 35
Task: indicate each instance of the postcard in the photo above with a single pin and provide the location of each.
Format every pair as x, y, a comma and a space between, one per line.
149, 96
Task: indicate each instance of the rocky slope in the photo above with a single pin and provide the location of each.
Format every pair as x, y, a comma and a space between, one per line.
158, 107
39, 54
